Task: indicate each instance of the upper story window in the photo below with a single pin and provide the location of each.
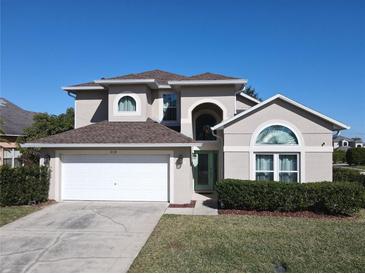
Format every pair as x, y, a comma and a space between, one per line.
277, 135
202, 127
169, 107
127, 103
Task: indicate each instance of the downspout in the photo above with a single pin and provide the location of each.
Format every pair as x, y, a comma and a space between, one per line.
337, 133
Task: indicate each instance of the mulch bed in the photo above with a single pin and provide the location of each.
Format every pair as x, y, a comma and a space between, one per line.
44, 204
300, 214
190, 205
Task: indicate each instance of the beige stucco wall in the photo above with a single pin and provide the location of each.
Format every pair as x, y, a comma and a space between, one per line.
243, 103
91, 106
318, 166
142, 95
237, 165
315, 137
191, 96
180, 180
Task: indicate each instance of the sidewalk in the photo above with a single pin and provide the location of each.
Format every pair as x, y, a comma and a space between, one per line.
206, 204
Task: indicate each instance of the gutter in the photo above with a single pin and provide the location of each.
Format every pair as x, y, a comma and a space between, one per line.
132, 145
207, 82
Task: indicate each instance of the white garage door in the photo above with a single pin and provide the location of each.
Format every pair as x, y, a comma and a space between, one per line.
115, 177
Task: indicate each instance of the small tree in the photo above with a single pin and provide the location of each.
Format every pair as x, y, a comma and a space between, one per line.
252, 92
44, 125
356, 156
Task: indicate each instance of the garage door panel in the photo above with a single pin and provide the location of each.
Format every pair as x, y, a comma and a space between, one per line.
115, 177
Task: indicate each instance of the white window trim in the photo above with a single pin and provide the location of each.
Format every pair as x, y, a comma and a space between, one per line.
171, 122
136, 98
12, 152
284, 149
276, 165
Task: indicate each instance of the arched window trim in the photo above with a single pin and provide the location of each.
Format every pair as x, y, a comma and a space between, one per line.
289, 132
254, 148
202, 112
267, 124
133, 103
117, 99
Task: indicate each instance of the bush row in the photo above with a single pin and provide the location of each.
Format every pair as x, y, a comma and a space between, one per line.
348, 175
23, 185
338, 198
356, 156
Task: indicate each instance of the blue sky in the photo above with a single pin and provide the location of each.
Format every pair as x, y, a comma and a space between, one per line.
311, 51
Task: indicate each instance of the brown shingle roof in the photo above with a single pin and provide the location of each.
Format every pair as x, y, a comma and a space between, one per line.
149, 132
210, 76
162, 77
14, 119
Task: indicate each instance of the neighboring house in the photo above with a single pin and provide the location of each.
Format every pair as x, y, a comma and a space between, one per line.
148, 137
13, 121
356, 142
344, 143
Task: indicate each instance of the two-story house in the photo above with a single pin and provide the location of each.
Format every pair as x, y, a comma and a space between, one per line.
159, 136
344, 143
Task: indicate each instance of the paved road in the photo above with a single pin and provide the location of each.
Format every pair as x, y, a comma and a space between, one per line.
78, 237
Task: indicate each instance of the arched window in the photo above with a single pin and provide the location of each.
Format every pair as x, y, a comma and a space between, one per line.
277, 135
127, 103
202, 127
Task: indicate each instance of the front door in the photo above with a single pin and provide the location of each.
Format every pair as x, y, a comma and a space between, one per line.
206, 171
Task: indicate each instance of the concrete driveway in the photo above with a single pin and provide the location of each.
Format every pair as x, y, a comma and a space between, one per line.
78, 237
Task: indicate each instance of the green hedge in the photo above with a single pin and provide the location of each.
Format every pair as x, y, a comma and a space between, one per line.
356, 156
348, 175
338, 198
23, 185
339, 156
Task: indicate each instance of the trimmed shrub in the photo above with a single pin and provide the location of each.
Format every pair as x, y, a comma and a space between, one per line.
23, 185
356, 156
339, 156
338, 198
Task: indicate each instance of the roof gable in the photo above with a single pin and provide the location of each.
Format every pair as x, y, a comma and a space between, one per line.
336, 124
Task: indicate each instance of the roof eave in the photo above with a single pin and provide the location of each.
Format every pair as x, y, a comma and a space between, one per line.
150, 82
207, 82
77, 88
108, 145
249, 97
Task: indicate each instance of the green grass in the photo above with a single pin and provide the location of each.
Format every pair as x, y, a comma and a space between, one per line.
253, 244
9, 214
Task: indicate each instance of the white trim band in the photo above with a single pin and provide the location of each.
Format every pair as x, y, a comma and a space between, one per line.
47, 145
277, 148
84, 88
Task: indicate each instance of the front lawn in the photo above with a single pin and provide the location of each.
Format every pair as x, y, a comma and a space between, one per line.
9, 214
229, 243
